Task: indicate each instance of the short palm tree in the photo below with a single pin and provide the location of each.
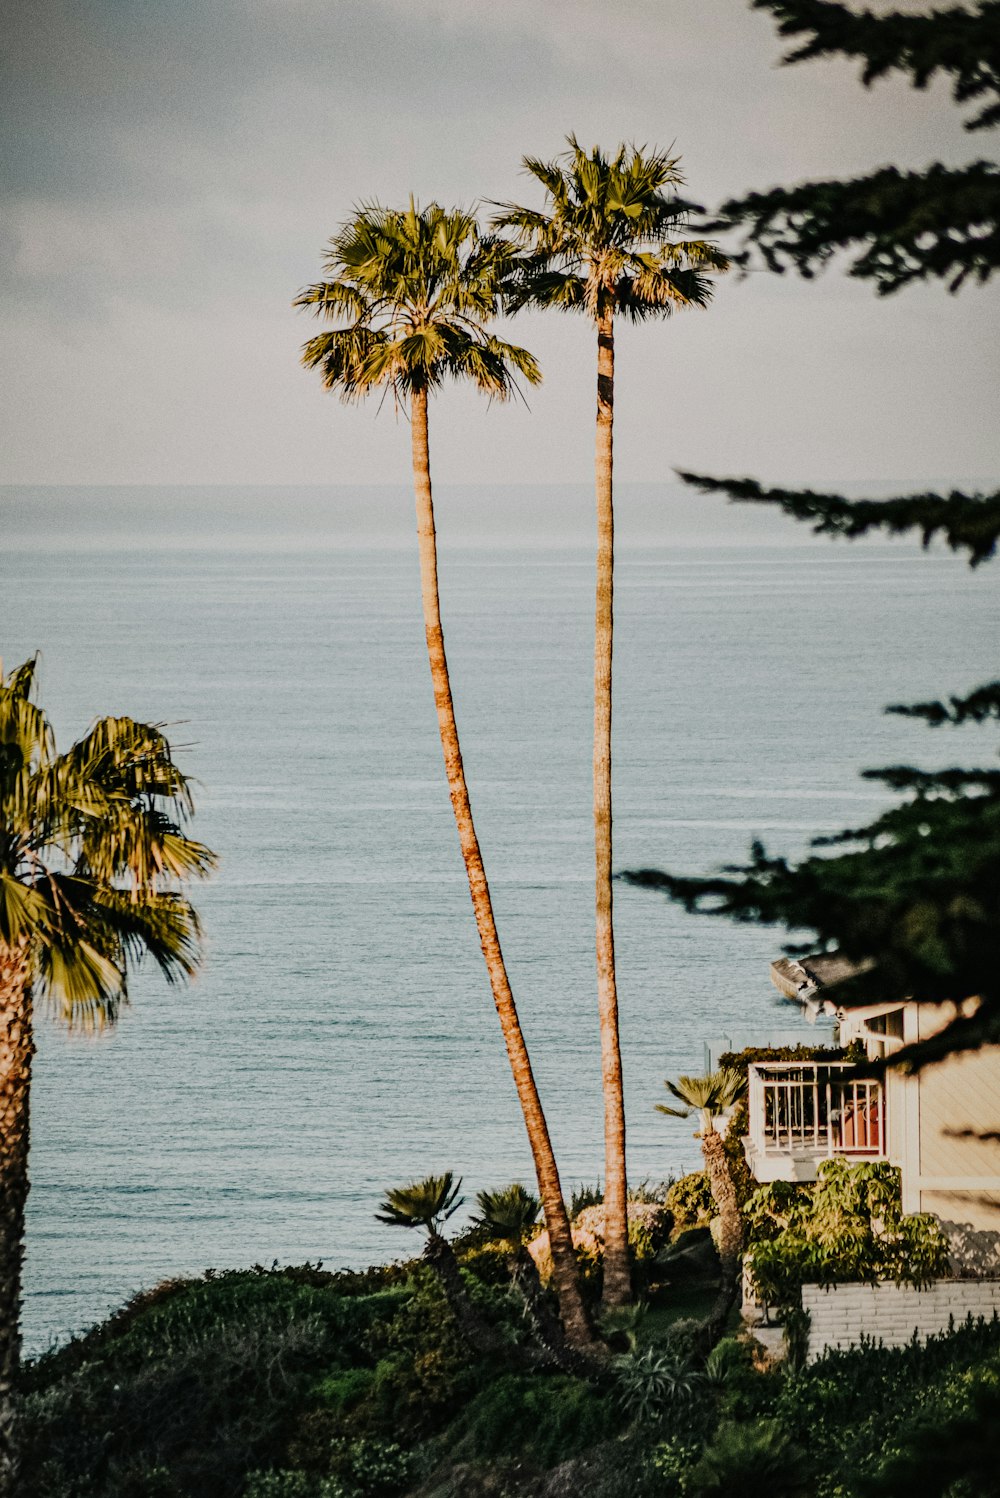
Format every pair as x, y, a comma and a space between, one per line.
602, 246
511, 1215
710, 1096
428, 1204
93, 865
413, 291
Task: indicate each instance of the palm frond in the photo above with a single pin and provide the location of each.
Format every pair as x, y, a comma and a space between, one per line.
603, 239
712, 1093
673, 1112
420, 286
93, 856
82, 984
510, 1213
329, 298
427, 1203
25, 913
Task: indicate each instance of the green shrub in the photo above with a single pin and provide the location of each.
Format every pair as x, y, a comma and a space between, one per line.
849, 1226
286, 1484
584, 1196
487, 1263
949, 1448
673, 1460
201, 1382
207, 1409
652, 1193
542, 1419
853, 1408
689, 1201
758, 1460
652, 1382
424, 1372
342, 1391
371, 1468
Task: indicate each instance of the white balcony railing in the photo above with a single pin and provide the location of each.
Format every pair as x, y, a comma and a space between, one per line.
814, 1110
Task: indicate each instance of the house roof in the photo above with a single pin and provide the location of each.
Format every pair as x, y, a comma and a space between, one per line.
800, 978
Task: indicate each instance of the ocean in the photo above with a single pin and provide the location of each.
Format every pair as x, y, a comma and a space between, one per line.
341, 1036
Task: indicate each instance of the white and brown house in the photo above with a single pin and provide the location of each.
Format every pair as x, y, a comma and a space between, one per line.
929, 1125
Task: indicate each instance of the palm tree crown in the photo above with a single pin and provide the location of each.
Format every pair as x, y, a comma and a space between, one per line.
600, 245
510, 1213
93, 856
709, 1095
413, 288
424, 1204
93, 865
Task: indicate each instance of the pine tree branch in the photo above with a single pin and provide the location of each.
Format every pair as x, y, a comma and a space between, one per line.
967, 522
980, 705
942, 223
961, 41
913, 899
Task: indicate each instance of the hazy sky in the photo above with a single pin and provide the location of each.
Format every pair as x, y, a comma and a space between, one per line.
172, 168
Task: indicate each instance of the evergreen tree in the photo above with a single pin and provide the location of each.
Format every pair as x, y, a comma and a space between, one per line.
914, 897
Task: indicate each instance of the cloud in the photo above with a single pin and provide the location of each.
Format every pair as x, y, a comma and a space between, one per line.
172, 170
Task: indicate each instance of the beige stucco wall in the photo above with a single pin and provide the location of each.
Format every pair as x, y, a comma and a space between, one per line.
959, 1177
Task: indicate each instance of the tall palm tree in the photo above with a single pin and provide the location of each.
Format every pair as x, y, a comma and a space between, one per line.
413, 290
710, 1096
601, 245
93, 863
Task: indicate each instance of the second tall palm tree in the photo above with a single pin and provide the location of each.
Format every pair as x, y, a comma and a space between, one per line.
599, 246
414, 289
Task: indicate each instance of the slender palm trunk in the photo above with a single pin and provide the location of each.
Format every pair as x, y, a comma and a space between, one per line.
553, 1346
617, 1272
16, 1049
564, 1268
730, 1225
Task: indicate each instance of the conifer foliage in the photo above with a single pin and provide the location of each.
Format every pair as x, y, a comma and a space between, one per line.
897, 226
913, 897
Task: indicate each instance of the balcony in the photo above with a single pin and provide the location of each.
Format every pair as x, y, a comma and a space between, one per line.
804, 1113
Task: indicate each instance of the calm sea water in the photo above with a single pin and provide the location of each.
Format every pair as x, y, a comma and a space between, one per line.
341, 1036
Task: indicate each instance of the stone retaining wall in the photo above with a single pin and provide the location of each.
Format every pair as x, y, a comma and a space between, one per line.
891, 1314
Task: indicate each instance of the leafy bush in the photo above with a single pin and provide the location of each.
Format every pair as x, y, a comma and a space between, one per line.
371, 1468
287, 1484
689, 1200
343, 1390
584, 1196
756, 1461
206, 1408
423, 1370
654, 1193
854, 1408
652, 1382
951, 1448
673, 1460
540, 1419
849, 1226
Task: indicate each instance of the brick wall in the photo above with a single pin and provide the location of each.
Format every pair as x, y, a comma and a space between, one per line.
843, 1314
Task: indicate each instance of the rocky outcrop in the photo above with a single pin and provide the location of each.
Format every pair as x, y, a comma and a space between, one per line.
649, 1226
